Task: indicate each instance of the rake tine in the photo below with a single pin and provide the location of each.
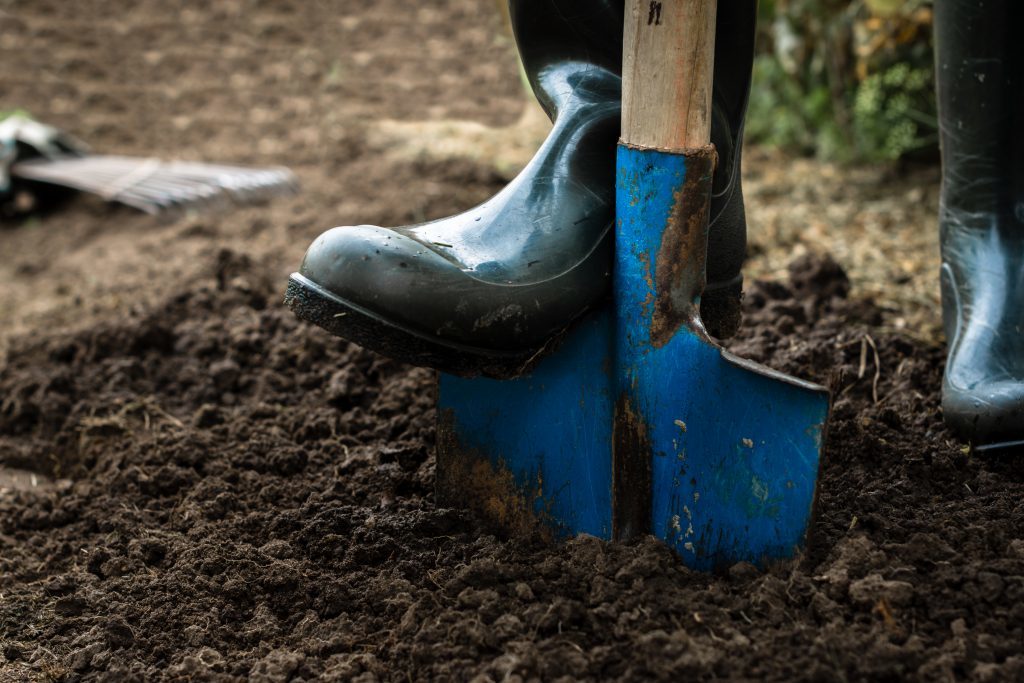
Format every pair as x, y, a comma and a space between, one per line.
279, 174
149, 184
177, 189
98, 181
105, 184
242, 184
153, 194
239, 178
190, 188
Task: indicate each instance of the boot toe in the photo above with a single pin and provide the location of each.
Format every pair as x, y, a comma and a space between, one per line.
388, 275
366, 265
384, 289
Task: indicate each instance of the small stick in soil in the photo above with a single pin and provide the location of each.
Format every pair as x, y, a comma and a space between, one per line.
883, 609
878, 368
863, 357
865, 342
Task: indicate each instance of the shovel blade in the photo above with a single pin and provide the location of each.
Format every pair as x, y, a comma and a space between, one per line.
722, 453
534, 452
735, 453
733, 449
639, 423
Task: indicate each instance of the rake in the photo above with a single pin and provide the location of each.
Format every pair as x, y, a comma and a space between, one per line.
37, 157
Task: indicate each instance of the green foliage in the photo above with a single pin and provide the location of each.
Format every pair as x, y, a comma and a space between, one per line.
893, 112
790, 114
847, 80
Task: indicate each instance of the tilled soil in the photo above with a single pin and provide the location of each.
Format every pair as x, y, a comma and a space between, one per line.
196, 486
238, 495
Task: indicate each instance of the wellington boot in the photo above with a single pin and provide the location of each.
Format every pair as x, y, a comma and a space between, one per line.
980, 73
486, 291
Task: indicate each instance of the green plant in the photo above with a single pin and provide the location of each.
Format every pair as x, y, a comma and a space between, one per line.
893, 112
847, 80
790, 114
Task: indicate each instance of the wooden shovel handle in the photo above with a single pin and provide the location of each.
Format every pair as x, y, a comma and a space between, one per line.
667, 67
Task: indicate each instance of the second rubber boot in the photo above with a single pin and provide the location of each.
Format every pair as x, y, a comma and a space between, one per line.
980, 74
486, 291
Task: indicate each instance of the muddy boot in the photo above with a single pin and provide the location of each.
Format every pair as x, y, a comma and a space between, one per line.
980, 73
487, 291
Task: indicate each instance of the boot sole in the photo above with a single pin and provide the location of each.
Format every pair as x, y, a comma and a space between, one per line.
312, 303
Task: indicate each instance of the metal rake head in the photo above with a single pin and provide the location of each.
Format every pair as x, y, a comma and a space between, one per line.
37, 153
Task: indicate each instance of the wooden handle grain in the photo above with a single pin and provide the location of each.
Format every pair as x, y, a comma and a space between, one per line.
667, 67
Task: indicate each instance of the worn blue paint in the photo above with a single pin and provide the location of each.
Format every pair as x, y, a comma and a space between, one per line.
551, 427
735, 446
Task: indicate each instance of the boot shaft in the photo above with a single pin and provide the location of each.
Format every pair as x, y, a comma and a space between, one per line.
981, 112
979, 64
553, 32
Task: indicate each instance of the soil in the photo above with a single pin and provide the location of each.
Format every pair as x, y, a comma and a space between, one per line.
196, 486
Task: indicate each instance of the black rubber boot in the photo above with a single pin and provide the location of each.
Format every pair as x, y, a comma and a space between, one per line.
980, 74
487, 291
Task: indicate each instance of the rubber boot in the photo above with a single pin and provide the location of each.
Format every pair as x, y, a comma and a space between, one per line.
487, 291
980, 75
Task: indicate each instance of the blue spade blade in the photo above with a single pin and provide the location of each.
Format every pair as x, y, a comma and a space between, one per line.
639, 423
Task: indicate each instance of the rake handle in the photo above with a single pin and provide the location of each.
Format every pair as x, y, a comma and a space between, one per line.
667, 68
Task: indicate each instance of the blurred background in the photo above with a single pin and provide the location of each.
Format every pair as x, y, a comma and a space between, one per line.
846, 80
393, 112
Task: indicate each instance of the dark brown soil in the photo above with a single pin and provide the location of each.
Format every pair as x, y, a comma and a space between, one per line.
240, 495
198, 487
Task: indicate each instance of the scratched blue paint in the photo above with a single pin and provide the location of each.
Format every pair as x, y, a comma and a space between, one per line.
735, 447
552, 426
